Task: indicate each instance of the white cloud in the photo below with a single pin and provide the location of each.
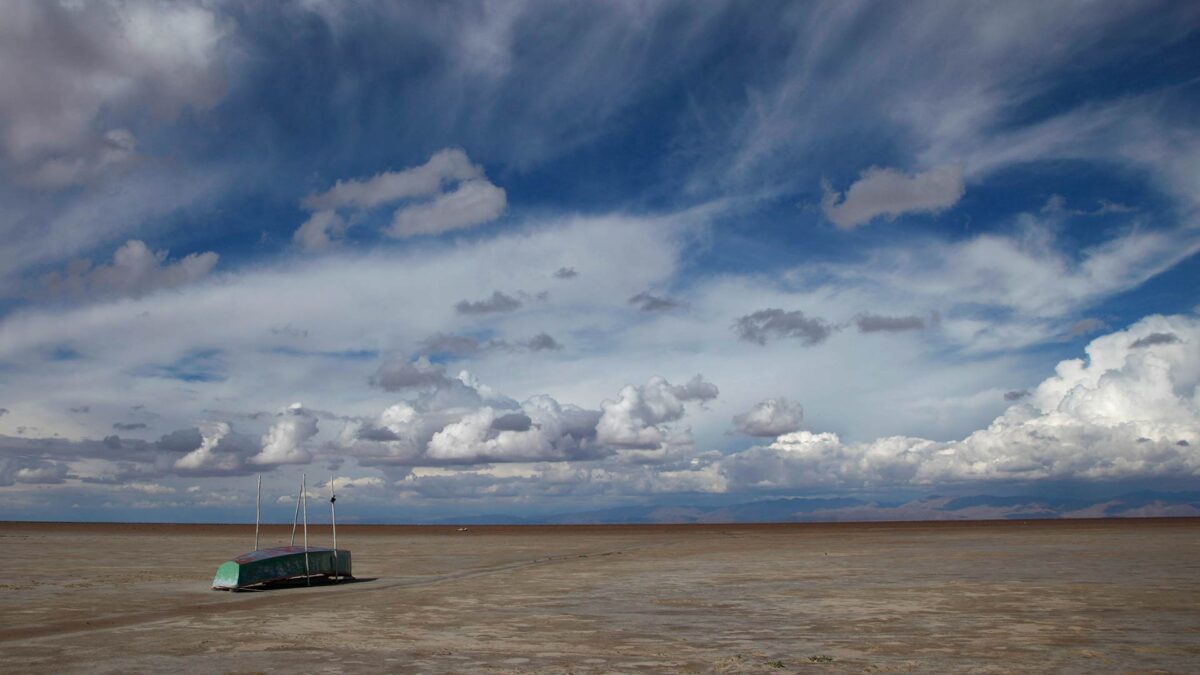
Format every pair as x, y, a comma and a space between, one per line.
67, 68
445, 167
283, 442
149, 488
319, 231
361, 483
135, 270
473, 203
496, 429
881, 191
1124, 412
1034, 287
101, 156
772, 417
635, 420
209, 457
446, 193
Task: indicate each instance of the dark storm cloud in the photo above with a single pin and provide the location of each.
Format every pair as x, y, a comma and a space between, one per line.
81, 409
875, 323
32, 471
566, 273
45, 460
499, 302
1156, 339
543, 342
1086, 327
1016, 394
128, 426
770, 418
465, 346
654, 303
453, 345
397, 375
180, 441
776, 323
373, 433
512, 422
696, 389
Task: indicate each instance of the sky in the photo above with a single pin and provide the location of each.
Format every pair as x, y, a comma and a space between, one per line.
537, 257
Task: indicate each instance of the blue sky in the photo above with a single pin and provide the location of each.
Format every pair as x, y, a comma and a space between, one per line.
540, 257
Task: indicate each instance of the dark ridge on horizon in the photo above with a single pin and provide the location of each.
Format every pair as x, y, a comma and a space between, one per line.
1142, 504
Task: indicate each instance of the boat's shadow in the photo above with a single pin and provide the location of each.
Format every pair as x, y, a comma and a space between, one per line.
306, 583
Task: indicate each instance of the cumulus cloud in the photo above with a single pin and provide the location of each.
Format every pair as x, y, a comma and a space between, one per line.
1123, 412
875, 323
1016, 394
880, 191
283, 443
654, 303
770, 418
220, 452
565, 273
491, 428
635, 419
477, 437
135, 270
765, 324
446, 193
499, 302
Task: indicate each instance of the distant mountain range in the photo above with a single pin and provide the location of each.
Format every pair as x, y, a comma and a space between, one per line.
793, 510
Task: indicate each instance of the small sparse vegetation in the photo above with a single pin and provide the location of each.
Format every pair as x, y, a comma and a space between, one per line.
820, 658
777, 663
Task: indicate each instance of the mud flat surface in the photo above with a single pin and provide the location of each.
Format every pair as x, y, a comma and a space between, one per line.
1063, 596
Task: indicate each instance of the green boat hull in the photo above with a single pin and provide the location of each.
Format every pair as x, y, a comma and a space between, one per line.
280, 564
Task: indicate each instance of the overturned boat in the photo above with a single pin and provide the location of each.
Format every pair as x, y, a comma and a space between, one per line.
282, 563
285, 563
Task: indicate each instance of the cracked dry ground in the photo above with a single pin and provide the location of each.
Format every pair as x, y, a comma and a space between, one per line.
1076, 596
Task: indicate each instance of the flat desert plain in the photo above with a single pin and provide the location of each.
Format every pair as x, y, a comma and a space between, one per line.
1063, 596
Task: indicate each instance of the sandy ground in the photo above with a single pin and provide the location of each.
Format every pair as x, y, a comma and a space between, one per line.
1083, 596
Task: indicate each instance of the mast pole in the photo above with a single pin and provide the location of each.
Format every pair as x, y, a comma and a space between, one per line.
296, 517
257, 511
304, 498
333, 507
